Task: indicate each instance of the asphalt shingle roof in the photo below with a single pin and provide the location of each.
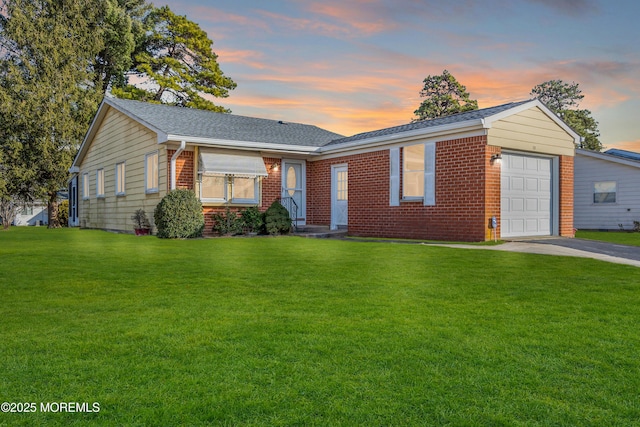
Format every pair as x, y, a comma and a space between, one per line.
189, 122
454, 118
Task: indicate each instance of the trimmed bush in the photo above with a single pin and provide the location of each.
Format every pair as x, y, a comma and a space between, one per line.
179, 216
227, 223
253, 220
277, 219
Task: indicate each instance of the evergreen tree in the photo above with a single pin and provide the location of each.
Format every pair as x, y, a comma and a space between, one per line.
178, 63
444, 96
46, 91
563, 99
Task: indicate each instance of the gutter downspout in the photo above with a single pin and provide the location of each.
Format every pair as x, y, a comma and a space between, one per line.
174, 158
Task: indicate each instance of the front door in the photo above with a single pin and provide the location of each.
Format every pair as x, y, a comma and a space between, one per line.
293, 189
339, 196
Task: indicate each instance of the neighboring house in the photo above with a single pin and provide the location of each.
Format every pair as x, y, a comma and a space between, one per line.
34, 214
607, 190
439, 179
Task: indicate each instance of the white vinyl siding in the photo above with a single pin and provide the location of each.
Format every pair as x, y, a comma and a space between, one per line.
593, 168
119, 138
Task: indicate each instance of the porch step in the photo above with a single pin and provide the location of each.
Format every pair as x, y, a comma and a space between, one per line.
319, 232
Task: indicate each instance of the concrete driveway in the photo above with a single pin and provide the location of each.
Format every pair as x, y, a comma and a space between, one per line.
611, 252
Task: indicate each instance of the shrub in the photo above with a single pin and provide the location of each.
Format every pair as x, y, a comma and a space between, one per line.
227, 222
179, 215
63, 213
253, 220
277, 219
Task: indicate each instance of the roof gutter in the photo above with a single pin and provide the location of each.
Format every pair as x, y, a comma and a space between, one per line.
174, 158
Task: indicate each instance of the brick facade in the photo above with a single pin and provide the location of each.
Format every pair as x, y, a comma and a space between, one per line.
464, 179
467, 193
566, 196
185, 169
185, 179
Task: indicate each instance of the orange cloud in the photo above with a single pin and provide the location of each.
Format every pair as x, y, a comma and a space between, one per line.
627, 145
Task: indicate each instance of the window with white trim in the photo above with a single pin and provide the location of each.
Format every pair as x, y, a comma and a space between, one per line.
100, 183
85, 185
229, 177
213, 188
151, 172
413, 172
120, 179
604, 192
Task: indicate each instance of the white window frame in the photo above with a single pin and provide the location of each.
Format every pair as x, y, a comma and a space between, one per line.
120, 181
100, 183
214, 199
151, 175
256, 192
604, 202
405, 173
85, 186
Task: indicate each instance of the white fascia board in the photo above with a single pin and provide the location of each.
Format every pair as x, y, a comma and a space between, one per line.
607, 157
429, 132
242, 145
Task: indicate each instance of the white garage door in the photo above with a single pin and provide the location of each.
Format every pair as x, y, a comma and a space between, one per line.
525, 196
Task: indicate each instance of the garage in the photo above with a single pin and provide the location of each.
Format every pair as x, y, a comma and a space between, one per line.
525, 195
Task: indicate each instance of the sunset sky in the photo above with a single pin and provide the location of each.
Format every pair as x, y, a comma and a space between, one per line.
351, 66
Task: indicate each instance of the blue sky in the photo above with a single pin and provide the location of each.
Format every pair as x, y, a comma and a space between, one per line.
351, 66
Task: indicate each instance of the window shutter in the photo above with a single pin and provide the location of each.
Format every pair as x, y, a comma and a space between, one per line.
394, 177
430, 174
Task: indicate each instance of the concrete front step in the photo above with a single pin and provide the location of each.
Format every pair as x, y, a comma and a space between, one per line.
319, 232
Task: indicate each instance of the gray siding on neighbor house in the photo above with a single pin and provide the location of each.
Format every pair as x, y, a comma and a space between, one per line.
625, 210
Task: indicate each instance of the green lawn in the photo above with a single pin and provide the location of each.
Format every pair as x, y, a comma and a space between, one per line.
621, 237
292, 331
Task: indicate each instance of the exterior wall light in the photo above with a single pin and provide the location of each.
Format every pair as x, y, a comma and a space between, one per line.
496, 158
275, 167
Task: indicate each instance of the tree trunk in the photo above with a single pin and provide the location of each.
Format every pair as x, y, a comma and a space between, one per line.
52, 210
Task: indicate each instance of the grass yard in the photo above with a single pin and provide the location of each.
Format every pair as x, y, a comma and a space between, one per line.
621, 237
292, 331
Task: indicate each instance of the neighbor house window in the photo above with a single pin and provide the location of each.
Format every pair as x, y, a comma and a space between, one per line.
413, 172
85, 185
120, 179
100, 183
151, 172
604, 192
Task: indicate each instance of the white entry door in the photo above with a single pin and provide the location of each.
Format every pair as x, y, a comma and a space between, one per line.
294, 187
525, 196
339, 196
